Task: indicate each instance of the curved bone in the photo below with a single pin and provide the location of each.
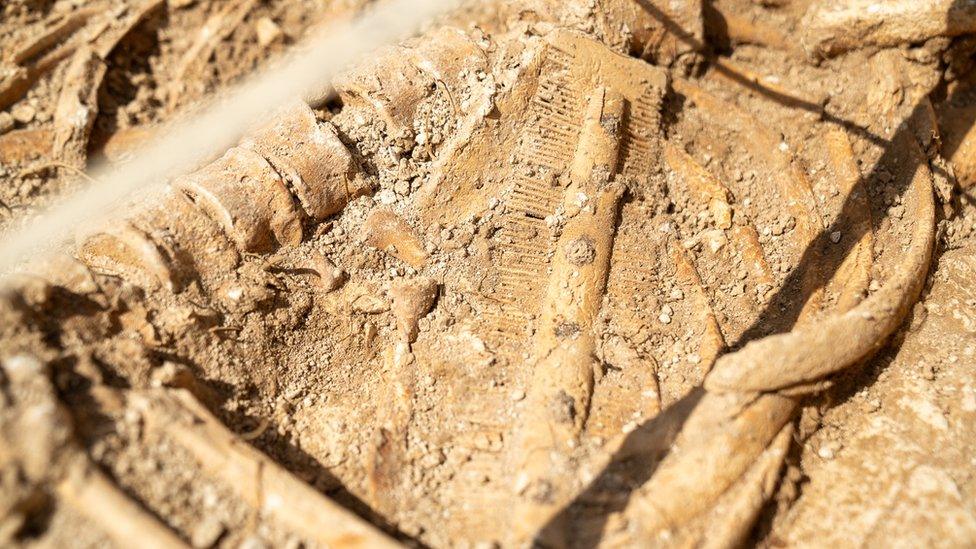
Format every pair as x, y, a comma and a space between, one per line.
729, 427
853, 276
820, 349
243, 193
318, 168
89, 492
129, 252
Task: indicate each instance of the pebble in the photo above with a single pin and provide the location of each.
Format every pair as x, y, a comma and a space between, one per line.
268, 31
386, 197
23, 113
835, 237
518, 394
664, 318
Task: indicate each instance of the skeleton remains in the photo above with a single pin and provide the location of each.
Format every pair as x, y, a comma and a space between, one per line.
627, 273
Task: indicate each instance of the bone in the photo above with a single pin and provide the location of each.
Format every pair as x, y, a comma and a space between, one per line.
198, 247
331, 277
562, 380
259, 481
728, 525
395, 81
90, 493
37, 431
318, 168
791, 180
412, 300
128, 252
31, 65
853, 277
77, 107
743, 30
24, 145
838, 26
389, 85
738, 417
243, 193
217, 28
809, 353
959, 141
712, 341
386, 231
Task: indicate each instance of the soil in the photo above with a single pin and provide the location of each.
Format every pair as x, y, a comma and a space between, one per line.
478, 303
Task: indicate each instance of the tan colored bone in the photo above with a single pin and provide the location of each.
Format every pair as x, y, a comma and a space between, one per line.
23, 145
89, 492
838, 26
218, 27
742, 30
317, 167
259, 481
811, 352
243, 193
731, 425
411, 300
792, 181
390, 85
77, 107
712, 341
853, 276
959, 141
127, 251
397, 79
197, 246
656, 30
384, 230
40, 436
562, 380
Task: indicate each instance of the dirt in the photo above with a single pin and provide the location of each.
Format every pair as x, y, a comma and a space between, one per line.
566, 274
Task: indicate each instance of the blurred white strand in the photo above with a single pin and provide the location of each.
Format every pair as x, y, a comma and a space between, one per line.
210, 130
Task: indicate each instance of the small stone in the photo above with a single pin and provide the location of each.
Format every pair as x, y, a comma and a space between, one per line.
23, 113
835, 237
268, 32
330, 276
827, 451
580, 251
677, 294
664, 318
518, 395
369, 304
386, 197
